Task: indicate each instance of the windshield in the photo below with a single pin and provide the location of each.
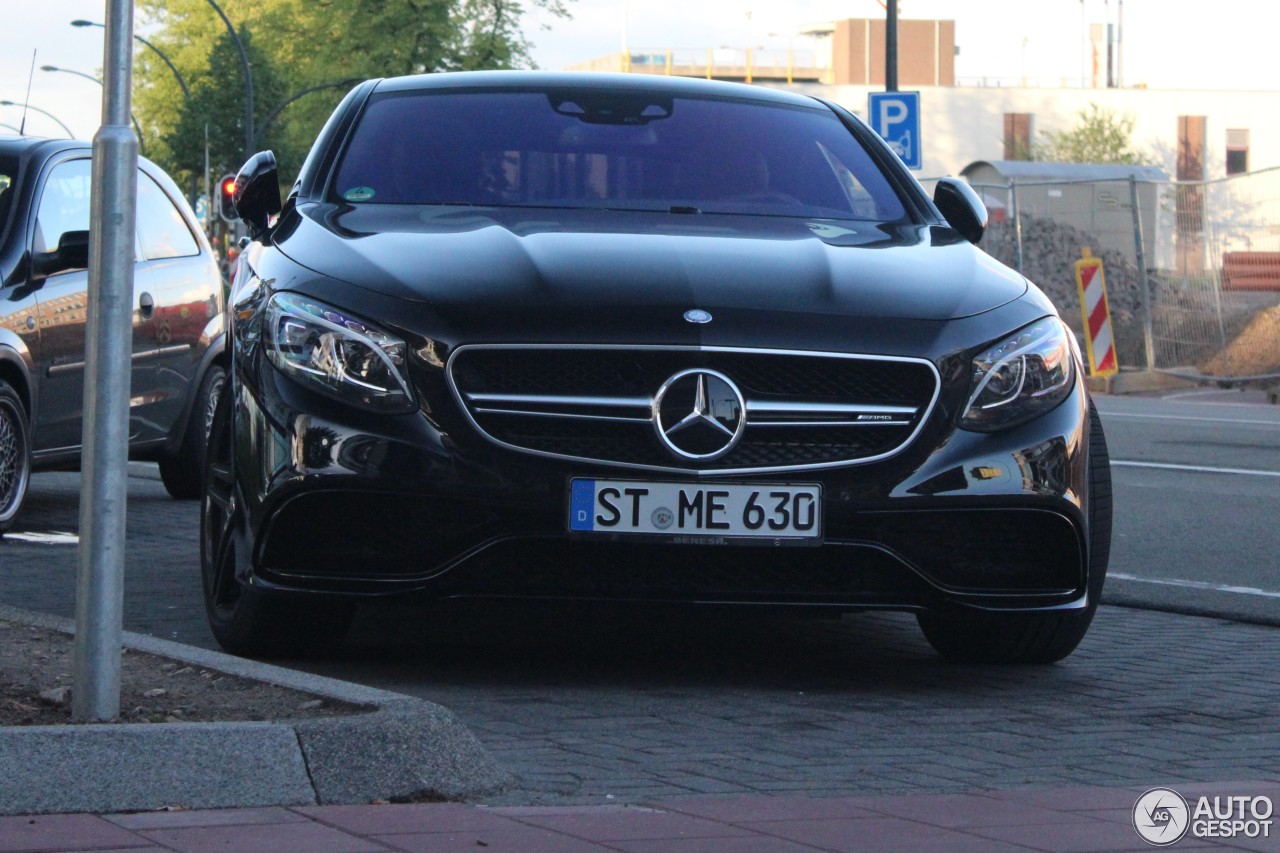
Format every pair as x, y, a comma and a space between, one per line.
611, 150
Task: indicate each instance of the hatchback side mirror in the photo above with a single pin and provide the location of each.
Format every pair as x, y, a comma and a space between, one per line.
72, 254
257, 195
962, 208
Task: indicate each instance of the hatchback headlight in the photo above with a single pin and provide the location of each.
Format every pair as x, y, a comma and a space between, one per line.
332, 352
1025, 375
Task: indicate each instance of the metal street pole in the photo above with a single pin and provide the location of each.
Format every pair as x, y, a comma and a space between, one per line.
95, 693
70, 135
1140, 258
891, 46
249, 136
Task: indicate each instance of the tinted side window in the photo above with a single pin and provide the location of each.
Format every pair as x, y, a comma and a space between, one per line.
162, 231
64, 204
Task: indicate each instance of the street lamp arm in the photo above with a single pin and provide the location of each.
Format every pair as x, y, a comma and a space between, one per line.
186, 93
70, 135
69, 71
249, 136
275, 113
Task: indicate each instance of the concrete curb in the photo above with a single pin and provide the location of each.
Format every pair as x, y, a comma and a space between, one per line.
404, 747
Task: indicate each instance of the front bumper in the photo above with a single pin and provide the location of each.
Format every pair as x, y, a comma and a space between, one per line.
340, 501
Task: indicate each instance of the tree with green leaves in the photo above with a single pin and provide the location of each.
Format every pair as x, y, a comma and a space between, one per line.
216, 107
304, 56
1100, 136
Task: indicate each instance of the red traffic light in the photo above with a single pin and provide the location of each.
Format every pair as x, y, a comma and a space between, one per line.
226, 198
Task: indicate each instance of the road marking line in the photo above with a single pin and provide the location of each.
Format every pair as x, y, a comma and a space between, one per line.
1187, 418
1203, 469
1207, 392
52, 538
1238, 590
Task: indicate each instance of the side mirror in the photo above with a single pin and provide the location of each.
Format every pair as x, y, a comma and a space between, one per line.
257, 195
72, 254
963, 210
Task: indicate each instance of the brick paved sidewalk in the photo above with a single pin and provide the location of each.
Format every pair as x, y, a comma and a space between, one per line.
1069, 819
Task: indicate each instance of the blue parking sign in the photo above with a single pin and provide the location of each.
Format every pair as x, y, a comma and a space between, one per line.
896, 117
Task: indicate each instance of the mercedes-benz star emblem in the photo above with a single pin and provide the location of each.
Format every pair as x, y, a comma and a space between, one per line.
697, 315
699, 414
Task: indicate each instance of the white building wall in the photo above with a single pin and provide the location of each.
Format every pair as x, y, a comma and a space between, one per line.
962, 124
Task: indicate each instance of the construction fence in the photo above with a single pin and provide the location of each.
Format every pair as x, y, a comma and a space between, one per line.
1192, 268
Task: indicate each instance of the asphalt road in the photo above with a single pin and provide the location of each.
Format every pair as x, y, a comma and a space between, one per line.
617, 705
1197, 498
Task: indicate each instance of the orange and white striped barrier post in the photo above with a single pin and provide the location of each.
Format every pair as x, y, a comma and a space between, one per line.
1091, 281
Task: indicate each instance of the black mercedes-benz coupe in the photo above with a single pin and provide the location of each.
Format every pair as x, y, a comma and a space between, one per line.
596, 337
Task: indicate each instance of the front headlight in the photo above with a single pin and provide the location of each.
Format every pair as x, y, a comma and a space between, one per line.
1025, 375
336, 354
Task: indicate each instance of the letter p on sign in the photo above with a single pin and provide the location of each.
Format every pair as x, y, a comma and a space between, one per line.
896, 117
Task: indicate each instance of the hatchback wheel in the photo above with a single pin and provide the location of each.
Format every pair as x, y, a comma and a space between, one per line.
15, 455
182, 472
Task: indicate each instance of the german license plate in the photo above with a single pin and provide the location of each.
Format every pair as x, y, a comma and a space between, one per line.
700, 512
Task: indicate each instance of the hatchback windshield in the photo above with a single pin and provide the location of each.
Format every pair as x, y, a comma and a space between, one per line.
611, 150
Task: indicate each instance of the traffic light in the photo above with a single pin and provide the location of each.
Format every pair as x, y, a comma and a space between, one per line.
226, 198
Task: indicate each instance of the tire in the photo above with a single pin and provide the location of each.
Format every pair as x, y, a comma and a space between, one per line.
1035, 638
15, 455
183, 472
247, 621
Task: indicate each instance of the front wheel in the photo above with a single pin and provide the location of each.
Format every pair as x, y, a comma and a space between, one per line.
15, 455
1043, 637
247, 621
182, 472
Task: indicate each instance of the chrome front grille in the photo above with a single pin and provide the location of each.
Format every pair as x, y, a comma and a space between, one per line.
597, 403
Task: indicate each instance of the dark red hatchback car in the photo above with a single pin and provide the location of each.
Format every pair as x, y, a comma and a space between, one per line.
178, 343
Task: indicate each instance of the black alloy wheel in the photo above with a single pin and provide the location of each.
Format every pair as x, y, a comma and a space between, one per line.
15, 455
244, 620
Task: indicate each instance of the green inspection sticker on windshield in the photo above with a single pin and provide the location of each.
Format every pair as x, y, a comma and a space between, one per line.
358, 194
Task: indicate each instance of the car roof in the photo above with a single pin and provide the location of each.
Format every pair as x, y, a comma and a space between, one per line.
592, 81
17, 146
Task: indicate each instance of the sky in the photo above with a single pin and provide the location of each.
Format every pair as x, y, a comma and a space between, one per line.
1168, 44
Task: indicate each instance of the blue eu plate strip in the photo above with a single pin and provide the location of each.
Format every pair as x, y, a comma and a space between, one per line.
582, 502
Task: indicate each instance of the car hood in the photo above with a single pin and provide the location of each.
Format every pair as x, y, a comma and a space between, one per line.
515, 259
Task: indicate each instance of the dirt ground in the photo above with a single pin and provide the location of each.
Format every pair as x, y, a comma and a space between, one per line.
36, 679
1254, 352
